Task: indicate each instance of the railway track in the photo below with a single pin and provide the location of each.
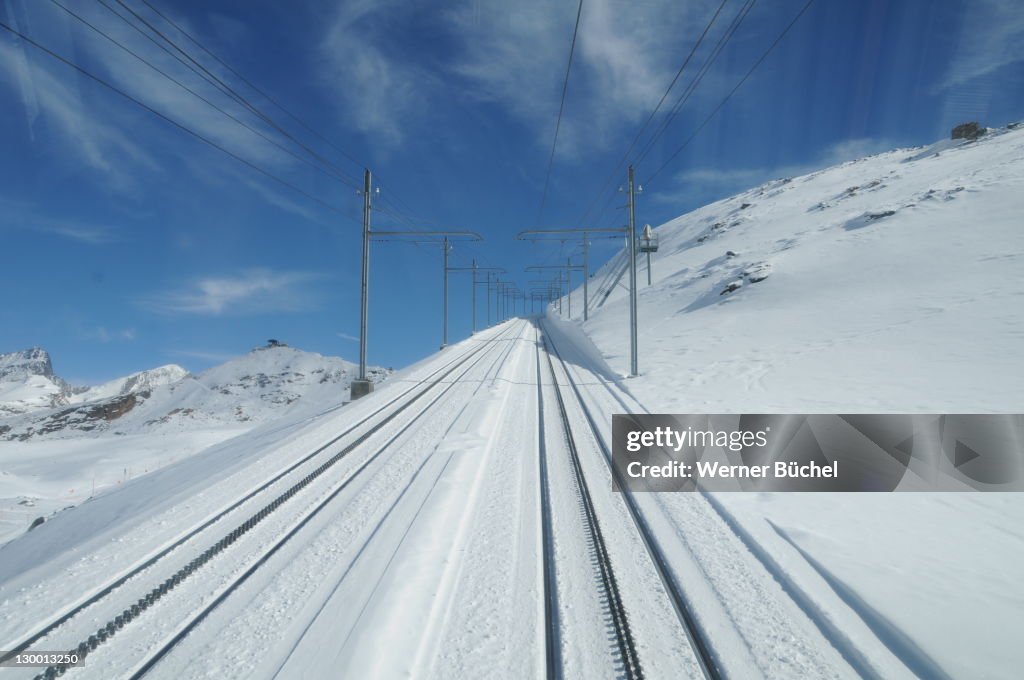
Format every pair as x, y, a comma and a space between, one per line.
624, 640
287, 484
695, 635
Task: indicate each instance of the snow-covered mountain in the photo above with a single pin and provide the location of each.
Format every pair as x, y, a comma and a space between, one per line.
136, 382
243, 392
28, 383
889, 283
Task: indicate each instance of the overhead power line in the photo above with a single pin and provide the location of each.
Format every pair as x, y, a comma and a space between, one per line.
394, 198
561, 110
248, 82
162, 116
200, 70
718, 108
640, 132
199, 96
685, 96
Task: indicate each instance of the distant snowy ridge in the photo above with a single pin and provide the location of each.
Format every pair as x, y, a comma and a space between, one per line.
136, 382
243, 392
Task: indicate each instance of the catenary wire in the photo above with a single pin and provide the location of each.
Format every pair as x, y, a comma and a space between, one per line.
180, 126
561, 110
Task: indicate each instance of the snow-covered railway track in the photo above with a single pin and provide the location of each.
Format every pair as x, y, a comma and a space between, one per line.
624, 640
694, 633
763, 624
157, 576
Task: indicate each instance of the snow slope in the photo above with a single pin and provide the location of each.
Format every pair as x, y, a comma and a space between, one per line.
890, 283
893, 283
54, 457
134, 383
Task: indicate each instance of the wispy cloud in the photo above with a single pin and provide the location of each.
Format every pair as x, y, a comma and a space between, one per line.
511, 55
991, 36
254, 291
57, 105
101, 334
711, 183
346, 336
214, 357
16, 214
379, 89
514, 54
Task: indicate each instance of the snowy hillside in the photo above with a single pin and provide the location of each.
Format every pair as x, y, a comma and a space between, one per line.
59, 450
247, 390
134, 383
894, 282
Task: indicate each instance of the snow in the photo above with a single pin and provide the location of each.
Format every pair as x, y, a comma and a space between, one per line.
54, 458
839, 307
136, 382
893, 283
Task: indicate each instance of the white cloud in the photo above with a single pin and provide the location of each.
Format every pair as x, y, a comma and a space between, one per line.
216, 357
101, 334
346, 336
991, 36
710, 183
512, 55
378, 89
515, 54
96, 142
255, 291
16, 214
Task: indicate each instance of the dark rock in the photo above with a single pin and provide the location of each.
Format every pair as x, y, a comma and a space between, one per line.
880, 215
731, 253
971, 130
731, 286
36, 522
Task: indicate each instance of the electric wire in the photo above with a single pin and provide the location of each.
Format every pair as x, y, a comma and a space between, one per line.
245, 80
561, 110
643, 128
199, 69
199, 96
168, 119
742, 80
685, 96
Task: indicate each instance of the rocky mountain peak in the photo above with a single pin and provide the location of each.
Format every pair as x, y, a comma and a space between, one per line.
18, 366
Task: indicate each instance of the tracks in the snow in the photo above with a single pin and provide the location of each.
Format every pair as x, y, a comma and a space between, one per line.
278, 491
624, 640
623, 635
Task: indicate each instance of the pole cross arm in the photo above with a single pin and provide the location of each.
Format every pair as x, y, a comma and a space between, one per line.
553, 266
456, 235
534, 233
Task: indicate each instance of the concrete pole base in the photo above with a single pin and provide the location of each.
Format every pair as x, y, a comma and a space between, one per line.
360, 388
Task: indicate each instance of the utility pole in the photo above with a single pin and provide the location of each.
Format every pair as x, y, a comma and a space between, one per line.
431, 238
474, 269
536, 235
633, 363
564, 270
444, 335
361, 386
586, 276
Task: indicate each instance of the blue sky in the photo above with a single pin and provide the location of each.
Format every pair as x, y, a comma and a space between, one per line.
128, 244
